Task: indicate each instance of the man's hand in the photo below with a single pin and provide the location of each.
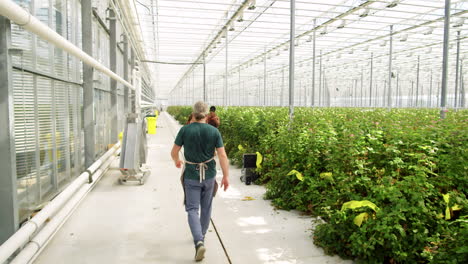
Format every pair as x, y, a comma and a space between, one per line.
225, 183
175, 156
179, 163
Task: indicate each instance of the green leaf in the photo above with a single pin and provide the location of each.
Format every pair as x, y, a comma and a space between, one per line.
242, 149
298, 175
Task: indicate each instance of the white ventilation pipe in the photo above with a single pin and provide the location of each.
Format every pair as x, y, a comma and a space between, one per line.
41, 239
24, 19
22, 236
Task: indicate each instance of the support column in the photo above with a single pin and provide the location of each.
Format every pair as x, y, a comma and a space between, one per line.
226, 72
8, 189
320, 81
113, 67
312, 103
204, 78
88, 87
462, 87
430, 91
264, 77
132, 92
443, 99
126, 77
370, 80
455, 105
362, 82
282, 86
417, 84
291, 58
389, 98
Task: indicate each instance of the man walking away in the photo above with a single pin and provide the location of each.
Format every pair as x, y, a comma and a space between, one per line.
200, 141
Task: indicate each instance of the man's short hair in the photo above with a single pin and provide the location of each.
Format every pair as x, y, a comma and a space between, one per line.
212, 108
200, 110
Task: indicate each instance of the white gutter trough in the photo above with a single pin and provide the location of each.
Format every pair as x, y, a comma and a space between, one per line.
23, 235
23, 18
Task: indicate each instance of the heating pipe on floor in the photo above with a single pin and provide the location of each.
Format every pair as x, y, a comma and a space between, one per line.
23, 235
40, 240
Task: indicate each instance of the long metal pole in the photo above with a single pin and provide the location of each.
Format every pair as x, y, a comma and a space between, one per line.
417, 84
320, 81
457, 70
8, 194
264, 77
88, 88
291, 59
113, 83
362, 82
443, 99
313, 64
226, 99
204, 78
282, 86
462, 87
430, 91
239, 84
371, 71
389, 99
398, 91
126, 78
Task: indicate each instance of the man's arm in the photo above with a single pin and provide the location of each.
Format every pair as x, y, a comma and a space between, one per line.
175, 156
224, 162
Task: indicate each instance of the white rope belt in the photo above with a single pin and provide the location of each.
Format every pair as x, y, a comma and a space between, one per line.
201, 167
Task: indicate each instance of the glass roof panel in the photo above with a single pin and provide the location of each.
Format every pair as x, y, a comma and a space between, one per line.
347, 34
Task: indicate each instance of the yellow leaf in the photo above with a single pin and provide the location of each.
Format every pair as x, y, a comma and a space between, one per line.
447, 213
360, 218
241, 148
455, 207
440, 216
359, 204
327, 176
446, 198
298, 174
248, 198
259, 159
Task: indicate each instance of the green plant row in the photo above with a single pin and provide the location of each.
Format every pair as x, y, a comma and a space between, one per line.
390, 186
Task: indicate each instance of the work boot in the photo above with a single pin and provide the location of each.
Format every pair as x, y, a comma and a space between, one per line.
199, 251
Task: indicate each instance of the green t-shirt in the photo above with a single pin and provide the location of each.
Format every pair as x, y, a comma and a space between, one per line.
199, 141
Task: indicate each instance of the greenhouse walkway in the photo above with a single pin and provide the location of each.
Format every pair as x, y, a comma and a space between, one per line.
147, 223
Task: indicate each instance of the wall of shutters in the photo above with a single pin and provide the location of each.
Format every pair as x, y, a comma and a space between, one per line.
48, 101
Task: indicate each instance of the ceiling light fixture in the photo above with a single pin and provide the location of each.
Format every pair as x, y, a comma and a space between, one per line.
393, 3
241, 17
365, 12
458, 22
342, 24
428, 31
403, 37
252, 5
324, 31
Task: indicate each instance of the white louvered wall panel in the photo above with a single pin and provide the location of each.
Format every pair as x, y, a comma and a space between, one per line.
25, 144
46, 134
61, 130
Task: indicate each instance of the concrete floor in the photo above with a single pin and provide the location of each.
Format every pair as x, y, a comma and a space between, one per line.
147, 224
